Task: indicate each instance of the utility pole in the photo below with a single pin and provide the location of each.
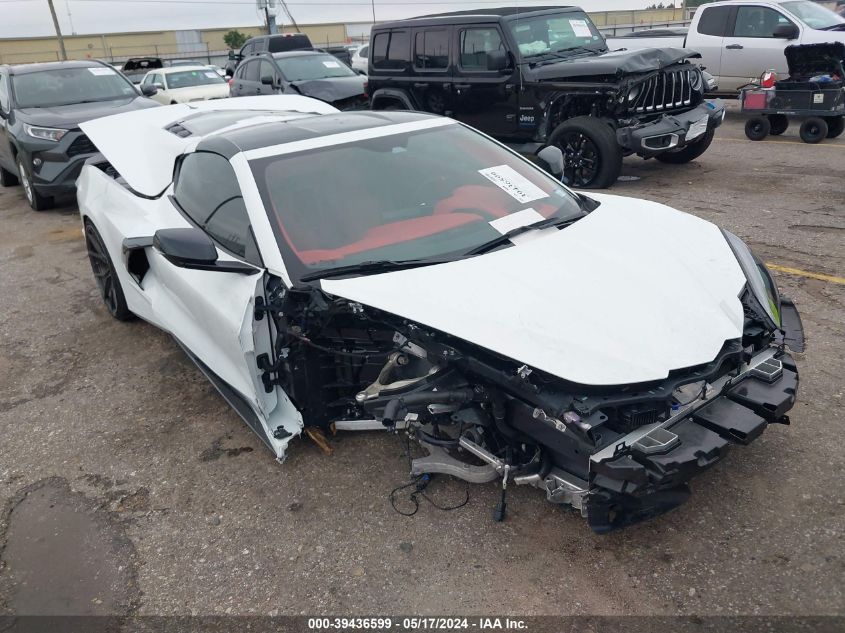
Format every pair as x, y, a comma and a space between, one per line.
58, 30
373, 5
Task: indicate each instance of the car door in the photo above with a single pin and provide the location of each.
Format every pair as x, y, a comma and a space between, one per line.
710, 31
485, 99
751, 48
5, 111
430, 61
247, 79
212, 314
267, 70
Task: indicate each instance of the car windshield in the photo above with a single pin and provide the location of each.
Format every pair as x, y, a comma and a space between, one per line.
428, 194
813, 15
191, 78
558, 33
66, 86
307, 67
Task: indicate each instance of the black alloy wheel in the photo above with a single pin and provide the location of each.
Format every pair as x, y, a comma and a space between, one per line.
581, 159
107, 281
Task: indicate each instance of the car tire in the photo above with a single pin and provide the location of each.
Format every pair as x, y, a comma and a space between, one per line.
7, 178
778, 123
592, 157
108, 283
813, 130
757, 128
688, 152
835, 126
35, 199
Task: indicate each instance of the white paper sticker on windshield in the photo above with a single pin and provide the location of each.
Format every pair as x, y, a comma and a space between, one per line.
515, 220
331, 64
212, 75
512, 182
101, 71
580, 28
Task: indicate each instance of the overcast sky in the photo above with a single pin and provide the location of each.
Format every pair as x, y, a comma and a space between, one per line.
26, 18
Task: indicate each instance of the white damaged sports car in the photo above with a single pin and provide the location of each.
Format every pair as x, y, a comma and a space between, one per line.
395, 270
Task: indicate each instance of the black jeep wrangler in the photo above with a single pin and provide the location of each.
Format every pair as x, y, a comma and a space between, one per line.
538, 76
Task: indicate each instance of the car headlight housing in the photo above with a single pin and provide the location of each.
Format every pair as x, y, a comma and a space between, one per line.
44, 133
634, 92
760, 280
696, 80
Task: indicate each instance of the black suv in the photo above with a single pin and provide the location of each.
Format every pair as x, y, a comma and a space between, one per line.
308, 73
41, 107
537, 76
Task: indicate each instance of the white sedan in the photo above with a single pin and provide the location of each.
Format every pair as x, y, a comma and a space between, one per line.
184, 84
394, 270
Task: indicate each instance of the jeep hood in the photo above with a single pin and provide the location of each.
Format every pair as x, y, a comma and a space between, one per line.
625, 295
614, 63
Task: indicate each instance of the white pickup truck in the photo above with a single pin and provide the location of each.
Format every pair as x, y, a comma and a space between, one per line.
740, 39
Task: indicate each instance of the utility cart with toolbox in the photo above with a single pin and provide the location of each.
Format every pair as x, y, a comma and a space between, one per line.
814, 91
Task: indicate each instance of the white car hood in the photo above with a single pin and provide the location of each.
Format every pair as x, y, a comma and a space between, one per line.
625, 295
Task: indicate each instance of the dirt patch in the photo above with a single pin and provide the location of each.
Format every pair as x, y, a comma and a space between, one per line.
217, 450
63, 554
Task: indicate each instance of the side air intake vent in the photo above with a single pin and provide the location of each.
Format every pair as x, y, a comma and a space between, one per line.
178, 130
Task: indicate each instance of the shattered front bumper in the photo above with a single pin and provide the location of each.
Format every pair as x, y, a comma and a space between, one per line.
671, 131
646, 473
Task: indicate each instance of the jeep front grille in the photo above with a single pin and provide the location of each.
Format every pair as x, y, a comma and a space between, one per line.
666, 90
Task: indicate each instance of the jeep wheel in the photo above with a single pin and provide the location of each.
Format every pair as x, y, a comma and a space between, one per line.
687, 152
591, 156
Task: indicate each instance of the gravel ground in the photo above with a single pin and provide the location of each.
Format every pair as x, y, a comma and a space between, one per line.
118, 461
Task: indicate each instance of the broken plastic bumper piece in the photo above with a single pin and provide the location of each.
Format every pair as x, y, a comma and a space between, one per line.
649, 474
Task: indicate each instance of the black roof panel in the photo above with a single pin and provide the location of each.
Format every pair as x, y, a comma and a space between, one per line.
474, 15
280, 132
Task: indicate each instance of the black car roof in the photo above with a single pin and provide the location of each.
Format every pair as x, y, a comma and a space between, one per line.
302, 128
473, 15
25, 69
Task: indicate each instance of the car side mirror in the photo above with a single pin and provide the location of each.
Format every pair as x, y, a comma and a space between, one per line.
267, 80
231, 55
786, 32
499, 61
192, 248
552, 156
149, 90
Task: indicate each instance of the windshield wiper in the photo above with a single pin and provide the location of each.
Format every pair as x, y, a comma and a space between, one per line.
834, 27
506, 237
371, 266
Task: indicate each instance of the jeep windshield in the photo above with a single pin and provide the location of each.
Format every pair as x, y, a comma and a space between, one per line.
558, 34
435, 193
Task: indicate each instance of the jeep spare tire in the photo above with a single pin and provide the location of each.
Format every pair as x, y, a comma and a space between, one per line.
592, 159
